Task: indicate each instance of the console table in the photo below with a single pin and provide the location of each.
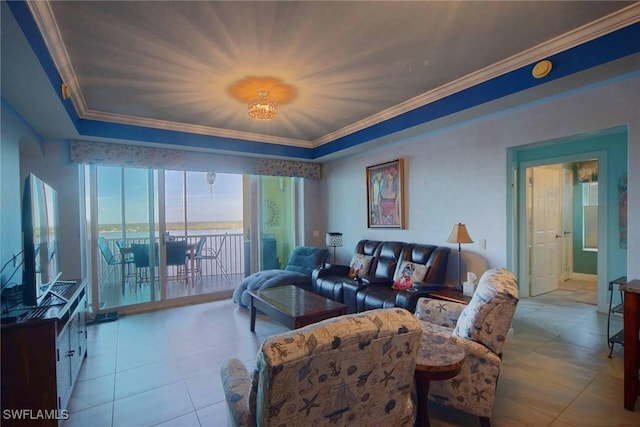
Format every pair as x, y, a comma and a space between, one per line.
42, 351
631, 343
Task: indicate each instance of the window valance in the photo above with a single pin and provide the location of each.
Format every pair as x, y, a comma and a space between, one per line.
121, 155
288, 168
101, 153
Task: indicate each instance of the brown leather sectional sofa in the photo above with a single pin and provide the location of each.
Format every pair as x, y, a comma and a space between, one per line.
374, 289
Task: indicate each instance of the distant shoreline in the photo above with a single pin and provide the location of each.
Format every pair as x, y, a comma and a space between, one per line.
172, 226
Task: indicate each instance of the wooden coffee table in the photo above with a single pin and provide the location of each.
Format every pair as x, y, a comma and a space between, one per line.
292, 306
438, 359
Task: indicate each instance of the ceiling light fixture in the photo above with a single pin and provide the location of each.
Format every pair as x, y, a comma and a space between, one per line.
262, 107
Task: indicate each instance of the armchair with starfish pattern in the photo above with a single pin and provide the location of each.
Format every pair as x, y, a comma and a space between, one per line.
355, 369
481, 328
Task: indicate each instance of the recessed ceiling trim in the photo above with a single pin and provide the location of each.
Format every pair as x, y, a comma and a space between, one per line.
45, 20
43, 15
195, 129
591, 31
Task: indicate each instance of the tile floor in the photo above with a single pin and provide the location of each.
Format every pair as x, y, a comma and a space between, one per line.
162, 368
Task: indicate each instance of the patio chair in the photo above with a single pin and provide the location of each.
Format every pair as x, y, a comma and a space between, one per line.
177, 257
203, 253
141, 260
107, 254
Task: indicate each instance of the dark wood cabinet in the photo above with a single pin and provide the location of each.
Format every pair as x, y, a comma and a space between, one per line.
631, 343
42, 352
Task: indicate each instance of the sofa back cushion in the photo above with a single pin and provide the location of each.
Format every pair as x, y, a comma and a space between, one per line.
386, 260
305, 258
367, 247
437, 264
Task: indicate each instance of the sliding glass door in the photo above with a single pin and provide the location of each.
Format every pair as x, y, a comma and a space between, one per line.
126, 236
204, 209
163, 235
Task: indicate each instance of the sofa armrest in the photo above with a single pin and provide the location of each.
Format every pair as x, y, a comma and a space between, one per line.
376, 281
236, 384
408, 298
330, 270
428, 286
439, 312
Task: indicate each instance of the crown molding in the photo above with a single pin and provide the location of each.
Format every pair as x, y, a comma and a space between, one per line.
576, 37
46, 22
123, 119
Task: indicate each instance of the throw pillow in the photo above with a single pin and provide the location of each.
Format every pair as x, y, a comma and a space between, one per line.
359, 265
408, 274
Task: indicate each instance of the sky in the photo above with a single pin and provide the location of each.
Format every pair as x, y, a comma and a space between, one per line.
220, 202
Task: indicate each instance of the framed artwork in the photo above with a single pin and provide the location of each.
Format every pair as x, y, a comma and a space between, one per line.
385, 195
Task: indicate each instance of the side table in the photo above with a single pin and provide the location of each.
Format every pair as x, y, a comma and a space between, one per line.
618, 337
438, 359
450, 294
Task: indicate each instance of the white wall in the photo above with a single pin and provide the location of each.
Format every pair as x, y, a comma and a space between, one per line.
14, 133
459, 174
54, 166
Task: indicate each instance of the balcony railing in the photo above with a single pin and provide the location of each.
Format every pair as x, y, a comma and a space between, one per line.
223, 254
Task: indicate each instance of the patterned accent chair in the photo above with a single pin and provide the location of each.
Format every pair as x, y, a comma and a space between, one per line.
355, 369
481, 327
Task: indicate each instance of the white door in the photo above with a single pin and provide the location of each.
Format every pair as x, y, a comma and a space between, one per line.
545, 226
567, 224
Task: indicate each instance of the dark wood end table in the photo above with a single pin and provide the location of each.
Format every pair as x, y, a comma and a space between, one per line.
292, 306
451, 294
438, 359
631, 343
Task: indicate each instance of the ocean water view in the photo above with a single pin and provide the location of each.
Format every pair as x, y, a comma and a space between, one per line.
141, 230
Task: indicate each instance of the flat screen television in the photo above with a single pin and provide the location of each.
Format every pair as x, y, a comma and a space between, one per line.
41, 268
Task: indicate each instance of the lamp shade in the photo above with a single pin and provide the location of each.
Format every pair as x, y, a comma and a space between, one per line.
334, 239
459, 234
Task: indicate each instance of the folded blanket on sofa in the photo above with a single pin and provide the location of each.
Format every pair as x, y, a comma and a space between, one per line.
297, 272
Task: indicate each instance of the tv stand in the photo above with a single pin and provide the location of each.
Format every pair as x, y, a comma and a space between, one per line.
42, 352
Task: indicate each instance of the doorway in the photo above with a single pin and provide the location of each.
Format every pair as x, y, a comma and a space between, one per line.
610, 148
561, 219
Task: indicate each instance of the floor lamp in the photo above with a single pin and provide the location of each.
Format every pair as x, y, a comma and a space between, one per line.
334, 240
459, 235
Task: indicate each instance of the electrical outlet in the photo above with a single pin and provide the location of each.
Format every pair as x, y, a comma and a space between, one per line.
483, 244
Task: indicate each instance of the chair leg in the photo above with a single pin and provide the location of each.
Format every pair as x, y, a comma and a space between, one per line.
224, 270
485, 422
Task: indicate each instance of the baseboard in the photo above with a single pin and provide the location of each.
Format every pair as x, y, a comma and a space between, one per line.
584, 276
